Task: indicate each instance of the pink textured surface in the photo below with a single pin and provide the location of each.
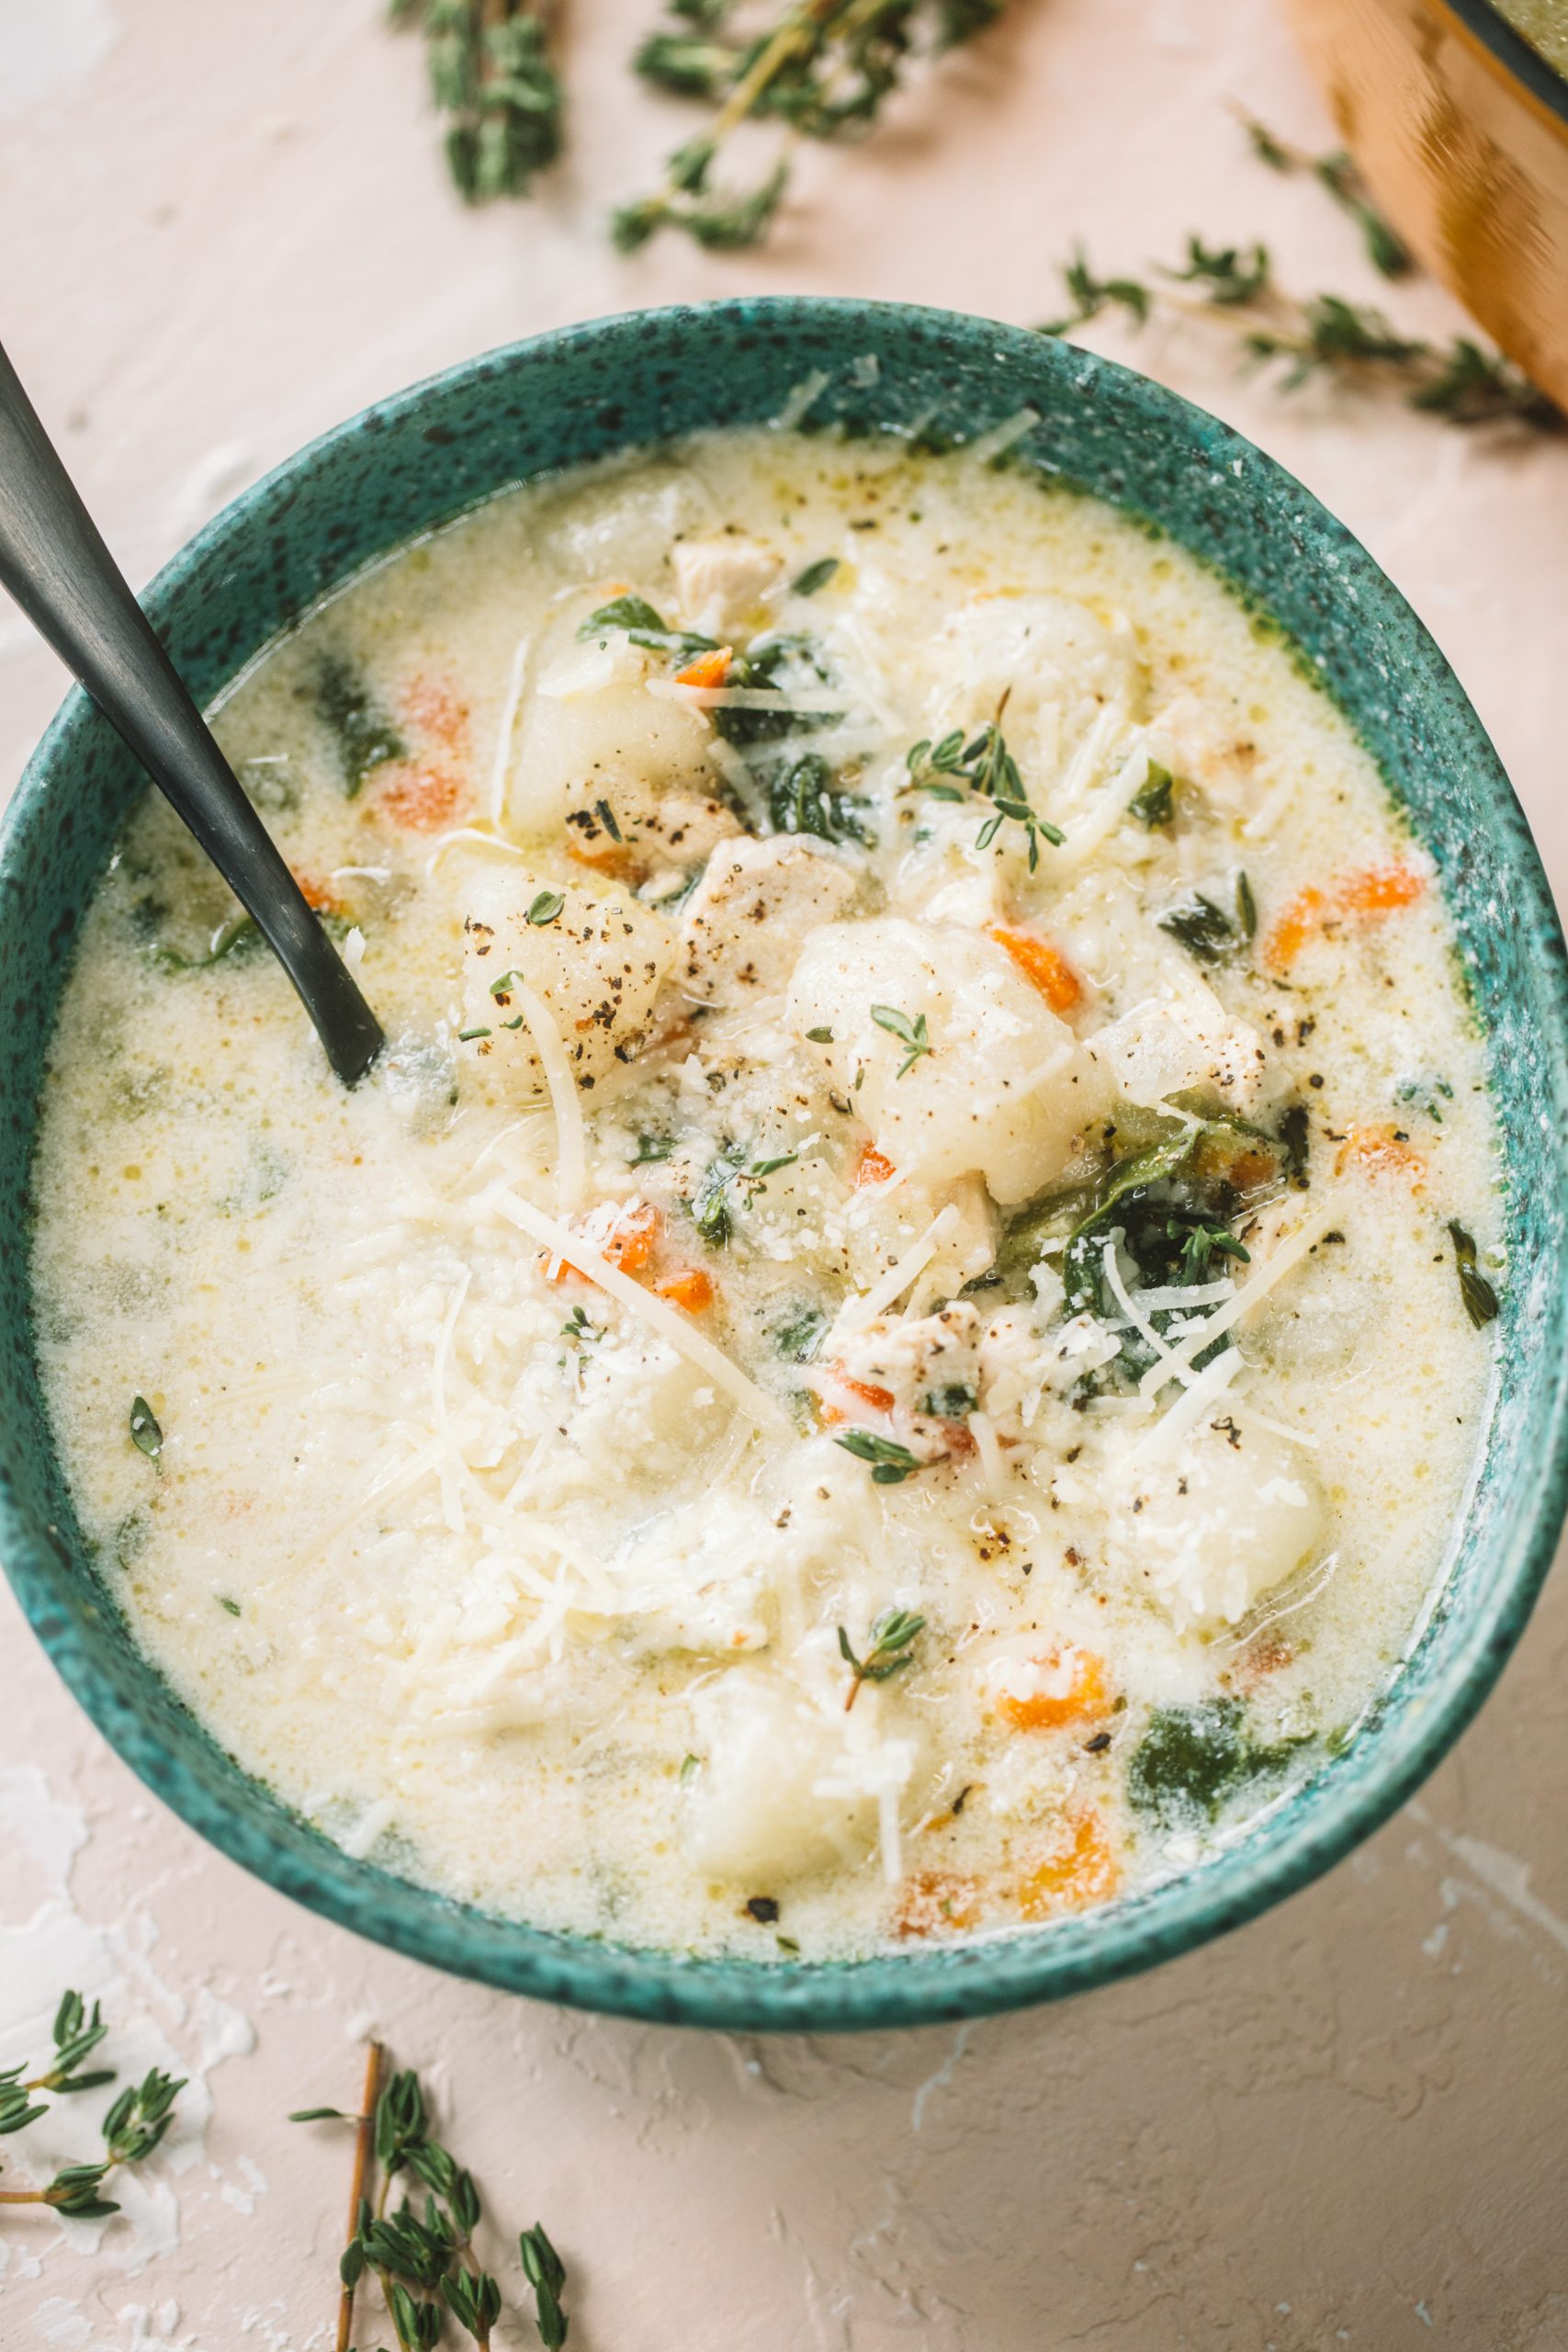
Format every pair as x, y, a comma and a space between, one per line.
1341, 2126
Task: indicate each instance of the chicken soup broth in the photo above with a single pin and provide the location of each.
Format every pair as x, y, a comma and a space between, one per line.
894, 1346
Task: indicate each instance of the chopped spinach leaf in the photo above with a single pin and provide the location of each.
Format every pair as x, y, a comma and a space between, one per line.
799, 1335
801, 799
366, 736
953, 1403
711, 1208
758, 668
1193, 1759
650, 1148
622, 613
1208, 933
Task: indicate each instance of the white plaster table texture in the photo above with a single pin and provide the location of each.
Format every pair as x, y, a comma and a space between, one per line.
224, 228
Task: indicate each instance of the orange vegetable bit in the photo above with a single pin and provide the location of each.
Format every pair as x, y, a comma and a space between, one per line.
881, 1400
692, 1288
627, 1238
1379, 890
936, 1902
432, 705
316, 894
707, 670
1042, 966
422, 798
1083, 1871
1381, 1152
1078, 1694
871, 1168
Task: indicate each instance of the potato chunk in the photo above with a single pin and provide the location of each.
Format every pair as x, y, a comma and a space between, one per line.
653, 831
1214, 1526
777, 1795
994, 1083
745, 920
598, 966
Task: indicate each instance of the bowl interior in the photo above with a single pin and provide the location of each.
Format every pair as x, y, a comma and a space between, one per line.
415, 461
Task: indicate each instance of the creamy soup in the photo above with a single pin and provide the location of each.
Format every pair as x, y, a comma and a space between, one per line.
894, 1347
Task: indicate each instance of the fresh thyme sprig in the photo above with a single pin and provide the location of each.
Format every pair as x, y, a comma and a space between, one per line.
1323, 336
892, 1648
1338, 174
492, 76
912, 1033
822, 68
424, 2261
890, 1463
132, 2129
988, 768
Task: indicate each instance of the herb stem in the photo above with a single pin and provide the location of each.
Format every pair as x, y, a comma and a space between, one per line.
364, 2141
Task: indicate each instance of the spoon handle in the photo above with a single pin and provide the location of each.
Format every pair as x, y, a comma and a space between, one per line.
63, 577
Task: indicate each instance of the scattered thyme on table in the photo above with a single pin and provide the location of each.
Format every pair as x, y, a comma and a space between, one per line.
492, 77
134, 2126
1322, 335
424, 2262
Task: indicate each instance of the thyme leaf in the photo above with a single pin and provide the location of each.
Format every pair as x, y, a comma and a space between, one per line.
145, 1433
492, 77
890, 1463
1480, 1302
548, 905
908, 1033
1154, 805
891, 1649
816, 575
987, 767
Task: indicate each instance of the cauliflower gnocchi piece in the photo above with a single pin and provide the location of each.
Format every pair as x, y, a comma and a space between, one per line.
1181, 1041
597, 965
745, 921
1055, 664
953, 1059
642, 834
1218, 1524
770, 1802
591, 730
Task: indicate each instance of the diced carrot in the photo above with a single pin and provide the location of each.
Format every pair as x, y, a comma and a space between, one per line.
1082, 1697
707, 670
1379, 890
315, 894
1042, 966
422, 798
881, 1400
1082, 1871
692, 1288
432, 705
627, 1238
936, 1902
1294, 928
871, 1168
1381, 1152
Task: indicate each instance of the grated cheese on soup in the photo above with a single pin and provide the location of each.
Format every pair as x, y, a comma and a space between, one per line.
882, 1357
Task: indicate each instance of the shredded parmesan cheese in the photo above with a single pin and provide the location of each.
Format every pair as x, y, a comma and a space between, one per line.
1289, 1253
666, 1320
571, 1156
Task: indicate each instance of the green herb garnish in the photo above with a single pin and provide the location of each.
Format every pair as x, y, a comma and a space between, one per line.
801, 799
799, 1335
816, 575
820, 1036
1480, 1302
989, 770
711, 1207
892, 1639
131, 2130
822, 71
1193, 1759
650, 1148
467, 1037
549, 905
891, 1462
908, 1033
145, 1433
231, 1607
492, 77
1209, 934
546, 2273
366, 736
1154, 805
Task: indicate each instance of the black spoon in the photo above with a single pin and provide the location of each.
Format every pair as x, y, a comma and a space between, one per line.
63, 577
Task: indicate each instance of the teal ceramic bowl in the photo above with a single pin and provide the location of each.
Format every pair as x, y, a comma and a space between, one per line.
414, 462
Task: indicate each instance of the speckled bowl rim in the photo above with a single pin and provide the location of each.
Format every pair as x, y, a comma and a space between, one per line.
1298, 1840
